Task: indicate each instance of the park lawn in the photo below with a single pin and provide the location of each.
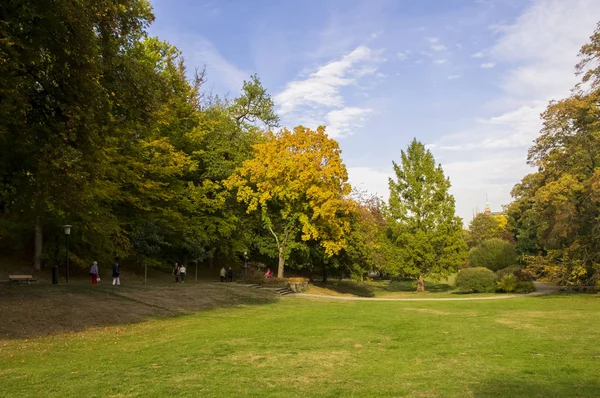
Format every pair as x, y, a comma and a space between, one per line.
444, 288
523, 347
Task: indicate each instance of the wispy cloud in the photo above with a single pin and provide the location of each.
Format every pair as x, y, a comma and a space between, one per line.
540, 47
440, 61
319, 96
343, 121
402, 55
453, 77
200, 51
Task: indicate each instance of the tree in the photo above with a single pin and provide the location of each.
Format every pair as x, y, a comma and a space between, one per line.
494, 254
486, 226
425, 226
556, 210
298, 184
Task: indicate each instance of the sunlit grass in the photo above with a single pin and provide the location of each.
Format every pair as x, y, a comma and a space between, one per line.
526, 347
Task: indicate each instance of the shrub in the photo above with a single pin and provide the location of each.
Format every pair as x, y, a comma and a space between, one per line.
519, 273
507, 284
494, 254
524, 287
476, 280
254, 277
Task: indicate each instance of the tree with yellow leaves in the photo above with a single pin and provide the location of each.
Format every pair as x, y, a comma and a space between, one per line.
297, 182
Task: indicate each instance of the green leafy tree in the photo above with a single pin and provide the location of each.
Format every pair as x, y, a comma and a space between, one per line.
425, 226
494, 253
556, 210
486, 226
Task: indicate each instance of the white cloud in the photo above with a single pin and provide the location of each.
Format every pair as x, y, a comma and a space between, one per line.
343, 121
539, 49
375, 35
432, 40
437, 47
318, 98
402, 55
453, 77
200, 51
372, 180
487, 65
440, 61
322, 88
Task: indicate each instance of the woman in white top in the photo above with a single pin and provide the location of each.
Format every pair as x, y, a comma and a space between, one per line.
182, 272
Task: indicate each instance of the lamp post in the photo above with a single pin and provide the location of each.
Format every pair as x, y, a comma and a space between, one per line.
67, 229
246, 263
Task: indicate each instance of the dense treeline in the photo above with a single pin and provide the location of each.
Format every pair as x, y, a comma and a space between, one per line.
101, 127
555, 216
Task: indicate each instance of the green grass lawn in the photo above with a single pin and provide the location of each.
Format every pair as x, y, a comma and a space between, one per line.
524, 347
443, 288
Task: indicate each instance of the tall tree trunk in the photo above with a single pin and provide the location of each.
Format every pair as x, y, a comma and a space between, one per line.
420, 284
281, 263
145, 272
324, 276
37, 255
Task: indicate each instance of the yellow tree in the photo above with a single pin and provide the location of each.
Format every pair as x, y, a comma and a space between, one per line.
298, 183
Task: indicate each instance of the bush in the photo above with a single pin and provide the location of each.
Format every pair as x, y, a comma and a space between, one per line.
507, 284
254, 277
494, 254
476, 280
524, 287
519, 273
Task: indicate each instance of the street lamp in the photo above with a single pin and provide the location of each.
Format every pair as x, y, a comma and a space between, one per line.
246, 263
67, 229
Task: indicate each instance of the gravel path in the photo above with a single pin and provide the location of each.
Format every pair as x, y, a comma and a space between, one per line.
542, 289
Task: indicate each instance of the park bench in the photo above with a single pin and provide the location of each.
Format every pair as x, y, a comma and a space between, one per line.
21, 279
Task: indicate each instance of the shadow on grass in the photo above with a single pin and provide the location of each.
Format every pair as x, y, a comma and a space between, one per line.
349, 287
40, 310
532, 385
411, 286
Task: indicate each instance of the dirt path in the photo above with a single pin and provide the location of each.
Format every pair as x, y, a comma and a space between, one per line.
542, 289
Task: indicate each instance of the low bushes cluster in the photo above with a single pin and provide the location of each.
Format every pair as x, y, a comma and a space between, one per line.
514, 280
476, 280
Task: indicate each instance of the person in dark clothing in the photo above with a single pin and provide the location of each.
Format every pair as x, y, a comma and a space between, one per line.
116, 274
176, 272
229, 275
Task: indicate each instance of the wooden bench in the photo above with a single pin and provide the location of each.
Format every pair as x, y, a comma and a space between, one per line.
21, 279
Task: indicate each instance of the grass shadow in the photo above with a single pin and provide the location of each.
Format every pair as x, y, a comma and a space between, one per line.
411, 286
349, 287
532, 385
40, 310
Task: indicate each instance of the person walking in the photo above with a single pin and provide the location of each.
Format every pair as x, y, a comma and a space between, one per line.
94, 273
182, 272
176, 272
116, 274
229, 275
223, 274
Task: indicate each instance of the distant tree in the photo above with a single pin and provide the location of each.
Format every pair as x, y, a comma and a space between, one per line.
425, 226
486, 226
494, 253
298, 184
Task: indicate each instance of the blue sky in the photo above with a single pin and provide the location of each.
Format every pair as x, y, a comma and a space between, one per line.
468, 78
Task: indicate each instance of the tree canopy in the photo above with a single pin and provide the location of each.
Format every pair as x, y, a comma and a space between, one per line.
422, 212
